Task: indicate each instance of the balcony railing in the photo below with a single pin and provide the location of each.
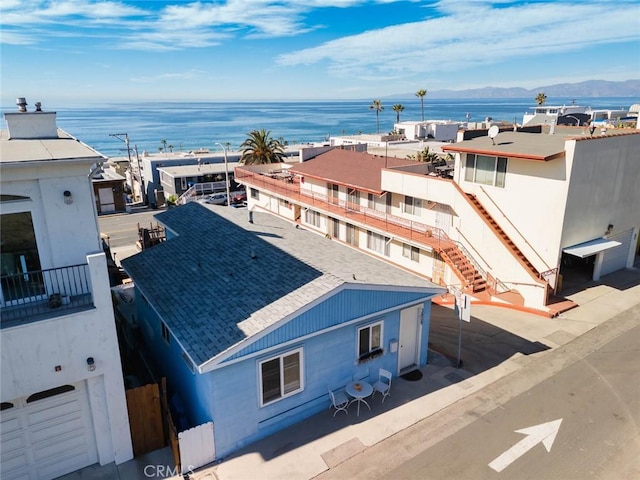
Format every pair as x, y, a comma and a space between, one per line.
40, 294
354, 212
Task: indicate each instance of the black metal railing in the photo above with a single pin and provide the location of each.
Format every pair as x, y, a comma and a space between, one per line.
42, 293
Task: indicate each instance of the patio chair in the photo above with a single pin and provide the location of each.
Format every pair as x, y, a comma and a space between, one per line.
383, 385
339, 401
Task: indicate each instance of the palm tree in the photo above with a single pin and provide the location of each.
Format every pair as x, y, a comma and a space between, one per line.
377, 106
259, 148
541, 98
398, 108
420, 94
164, 145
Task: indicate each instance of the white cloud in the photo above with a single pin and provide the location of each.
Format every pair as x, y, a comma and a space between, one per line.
475, 33
188, 75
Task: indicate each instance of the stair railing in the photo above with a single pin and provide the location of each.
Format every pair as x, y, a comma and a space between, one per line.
514, 227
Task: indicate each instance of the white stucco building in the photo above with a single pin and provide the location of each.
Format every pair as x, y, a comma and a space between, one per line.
521, 211
62, 391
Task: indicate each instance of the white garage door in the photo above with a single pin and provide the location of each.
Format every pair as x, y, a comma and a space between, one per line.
615, 258
107, 203
47, 435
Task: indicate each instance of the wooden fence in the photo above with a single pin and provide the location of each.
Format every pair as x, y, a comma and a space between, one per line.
145, 419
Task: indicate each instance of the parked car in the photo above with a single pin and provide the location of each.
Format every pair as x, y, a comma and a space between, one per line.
238, 197
217, 199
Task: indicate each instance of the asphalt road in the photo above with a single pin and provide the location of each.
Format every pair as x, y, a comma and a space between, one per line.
122, 229
591, 384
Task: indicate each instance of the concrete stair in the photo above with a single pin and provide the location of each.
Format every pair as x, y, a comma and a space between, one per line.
463, 268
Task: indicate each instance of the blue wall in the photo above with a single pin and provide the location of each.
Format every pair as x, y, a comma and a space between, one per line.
330, 360
230, 395
347, 304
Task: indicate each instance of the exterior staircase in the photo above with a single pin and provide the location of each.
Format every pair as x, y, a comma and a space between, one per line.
517, 253
463, 268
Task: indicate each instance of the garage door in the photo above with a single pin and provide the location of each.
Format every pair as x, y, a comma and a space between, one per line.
47, 434
615, 258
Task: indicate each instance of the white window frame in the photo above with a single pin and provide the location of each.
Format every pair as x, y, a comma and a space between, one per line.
311, 217
300, 352
411, 252
499, 176
369, 327
412, 205
373, 243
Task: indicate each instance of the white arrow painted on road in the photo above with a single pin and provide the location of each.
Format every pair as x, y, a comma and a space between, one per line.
545, 433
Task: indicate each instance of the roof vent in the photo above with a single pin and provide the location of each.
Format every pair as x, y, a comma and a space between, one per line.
22, 104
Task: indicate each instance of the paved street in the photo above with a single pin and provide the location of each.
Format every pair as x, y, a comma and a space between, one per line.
591, 384
123, 228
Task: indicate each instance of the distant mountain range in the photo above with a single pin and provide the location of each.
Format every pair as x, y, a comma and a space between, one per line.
590, 88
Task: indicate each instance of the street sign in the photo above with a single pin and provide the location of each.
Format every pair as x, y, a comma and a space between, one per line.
545, 433
463, 304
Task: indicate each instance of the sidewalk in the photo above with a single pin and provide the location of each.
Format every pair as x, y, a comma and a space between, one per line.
497, 342
321, 442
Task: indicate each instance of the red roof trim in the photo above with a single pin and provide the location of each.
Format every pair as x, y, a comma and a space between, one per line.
496, 153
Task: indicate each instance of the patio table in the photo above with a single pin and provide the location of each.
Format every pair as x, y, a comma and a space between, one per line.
360, 394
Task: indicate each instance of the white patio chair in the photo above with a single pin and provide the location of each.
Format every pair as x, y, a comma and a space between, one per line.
339, 401
383, 385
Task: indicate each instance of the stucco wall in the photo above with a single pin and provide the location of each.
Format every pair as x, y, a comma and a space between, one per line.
604, 189
31, 352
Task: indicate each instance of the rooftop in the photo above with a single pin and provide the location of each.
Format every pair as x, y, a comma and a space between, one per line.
534, 146
352, 169
65, 147
224, 279
195, 170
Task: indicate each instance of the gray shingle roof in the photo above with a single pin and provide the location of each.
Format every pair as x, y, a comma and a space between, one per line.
224, 279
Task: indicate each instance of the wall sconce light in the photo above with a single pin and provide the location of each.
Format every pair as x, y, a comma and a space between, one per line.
68, 198
609, 229
91, 364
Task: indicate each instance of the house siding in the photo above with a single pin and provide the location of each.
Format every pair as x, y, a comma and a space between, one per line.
330, 361
344, 306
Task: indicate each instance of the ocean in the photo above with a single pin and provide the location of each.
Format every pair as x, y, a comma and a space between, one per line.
192, 125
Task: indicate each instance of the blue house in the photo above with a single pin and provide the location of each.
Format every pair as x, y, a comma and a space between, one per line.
252, 321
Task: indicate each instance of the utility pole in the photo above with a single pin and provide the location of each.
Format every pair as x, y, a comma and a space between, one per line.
226, 172
124, 137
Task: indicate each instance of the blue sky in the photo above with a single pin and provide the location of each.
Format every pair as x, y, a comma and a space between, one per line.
81, 50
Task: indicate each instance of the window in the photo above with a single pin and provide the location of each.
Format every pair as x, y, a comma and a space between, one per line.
412, 205
334, 191
281, 376
284, 203
353, 200
312, 218
335, 227
379, 203
378, 243
486, 170
21, 274
255, 194
50, 393
409, 251
352, 235
369, 341
165, 332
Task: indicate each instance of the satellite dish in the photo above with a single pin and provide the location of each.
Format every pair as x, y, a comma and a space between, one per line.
493, 133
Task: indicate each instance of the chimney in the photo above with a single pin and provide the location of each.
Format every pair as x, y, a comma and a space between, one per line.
31, 125
22, 104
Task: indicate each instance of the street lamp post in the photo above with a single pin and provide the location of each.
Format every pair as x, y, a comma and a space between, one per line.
226, 172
